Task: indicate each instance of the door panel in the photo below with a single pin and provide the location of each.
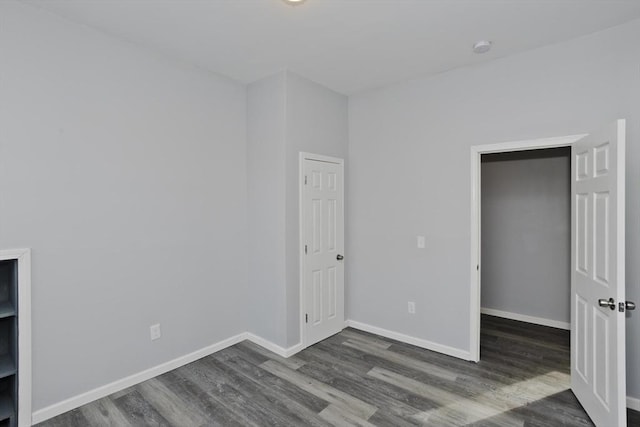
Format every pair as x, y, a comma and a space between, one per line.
598, 375
317, 297
581, 340
323, 235
582, 233
601, 380
332, 302
316, 235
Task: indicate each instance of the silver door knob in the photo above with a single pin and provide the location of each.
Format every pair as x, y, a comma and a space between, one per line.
339, 257
607, 303
630, 305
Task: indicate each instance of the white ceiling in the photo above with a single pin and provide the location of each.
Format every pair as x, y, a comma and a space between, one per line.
347, 45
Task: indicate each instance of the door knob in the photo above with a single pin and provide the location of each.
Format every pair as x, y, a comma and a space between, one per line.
607, 303
339, 257
630, 305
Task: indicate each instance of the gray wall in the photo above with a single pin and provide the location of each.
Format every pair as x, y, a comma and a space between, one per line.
287, 114
126, 174
317, 122
266, 137
526, 222
410, 173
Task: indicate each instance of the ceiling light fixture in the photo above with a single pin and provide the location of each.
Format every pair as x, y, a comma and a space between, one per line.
293, 2
483, 46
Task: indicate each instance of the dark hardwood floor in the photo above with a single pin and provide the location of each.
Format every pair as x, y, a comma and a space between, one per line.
355, 378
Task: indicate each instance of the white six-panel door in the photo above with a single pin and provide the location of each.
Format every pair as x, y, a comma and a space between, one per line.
598, 275
322, 228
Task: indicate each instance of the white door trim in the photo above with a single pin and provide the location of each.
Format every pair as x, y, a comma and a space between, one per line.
302, 157
474, 270
23, 256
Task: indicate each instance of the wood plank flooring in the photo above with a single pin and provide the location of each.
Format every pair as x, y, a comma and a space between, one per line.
355, 378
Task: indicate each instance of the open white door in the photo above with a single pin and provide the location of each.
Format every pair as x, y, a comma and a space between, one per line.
598, 374
322, 240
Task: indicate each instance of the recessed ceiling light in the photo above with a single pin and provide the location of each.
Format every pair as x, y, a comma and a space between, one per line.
293, 2
483, 46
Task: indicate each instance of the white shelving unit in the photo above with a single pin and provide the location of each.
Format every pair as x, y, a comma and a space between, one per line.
15, 338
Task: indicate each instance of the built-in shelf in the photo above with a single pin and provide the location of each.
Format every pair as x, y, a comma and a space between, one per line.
7, 309
7, 366
6, 406
9, 342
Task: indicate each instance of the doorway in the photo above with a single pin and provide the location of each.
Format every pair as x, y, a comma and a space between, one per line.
525, 236
597, 265
525, 275
475, 266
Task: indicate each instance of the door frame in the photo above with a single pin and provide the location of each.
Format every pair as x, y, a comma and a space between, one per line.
318, 158
474, 269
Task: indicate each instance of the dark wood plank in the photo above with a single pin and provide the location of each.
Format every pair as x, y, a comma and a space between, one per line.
139, 412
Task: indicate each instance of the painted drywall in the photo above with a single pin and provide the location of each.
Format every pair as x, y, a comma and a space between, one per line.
526, 222
287, 114
127, 175
266, 138
125, 172
409, 174
317, 122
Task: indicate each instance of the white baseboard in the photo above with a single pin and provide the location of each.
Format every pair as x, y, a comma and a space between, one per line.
529, 319
419, 342
274, 348
105, 390
632, 402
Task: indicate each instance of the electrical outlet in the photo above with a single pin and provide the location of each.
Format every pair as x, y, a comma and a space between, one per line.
155, 332
421, 241
412, 307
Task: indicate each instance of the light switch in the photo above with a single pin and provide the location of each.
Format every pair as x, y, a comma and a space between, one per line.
420, 242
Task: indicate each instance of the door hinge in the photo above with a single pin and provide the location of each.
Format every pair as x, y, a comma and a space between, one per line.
305, 180
305, 249
306, 318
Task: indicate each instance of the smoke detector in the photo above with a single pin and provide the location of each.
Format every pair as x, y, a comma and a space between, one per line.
482, 46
